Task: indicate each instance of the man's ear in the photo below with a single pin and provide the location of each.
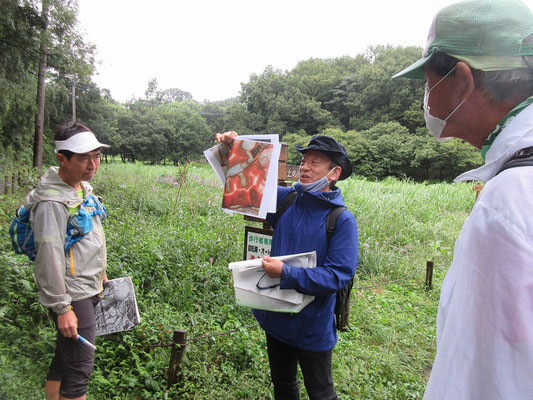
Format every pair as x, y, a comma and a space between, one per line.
61, 158
335, 174
464, 80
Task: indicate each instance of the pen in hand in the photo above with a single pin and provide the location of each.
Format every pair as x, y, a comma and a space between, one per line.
85, 341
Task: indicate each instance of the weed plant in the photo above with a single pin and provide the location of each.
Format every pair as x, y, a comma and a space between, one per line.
171, 237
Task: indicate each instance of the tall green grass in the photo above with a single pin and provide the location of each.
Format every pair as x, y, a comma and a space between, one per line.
175, 242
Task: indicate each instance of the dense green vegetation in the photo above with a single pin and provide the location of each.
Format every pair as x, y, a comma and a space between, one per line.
176, 243
351, 97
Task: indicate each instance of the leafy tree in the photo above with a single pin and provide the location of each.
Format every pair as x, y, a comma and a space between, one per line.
152, 91
292, 140
280, 105
186, 130
455, 157
239, 119
155, 96
150, 143
175, 131
128, 128
318, 77
174, 95
19, 24
370, 96
28, 36
215, 114
353, 93
424, 151
378, 120
387, 147
62, 48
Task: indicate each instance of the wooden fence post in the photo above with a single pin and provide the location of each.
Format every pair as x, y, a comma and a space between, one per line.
429, 275
13, 181
176, 356
477, 188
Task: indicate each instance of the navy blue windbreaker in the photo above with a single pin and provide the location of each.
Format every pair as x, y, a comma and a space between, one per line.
301, 228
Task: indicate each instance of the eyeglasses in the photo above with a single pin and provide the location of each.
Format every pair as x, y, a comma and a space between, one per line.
258, 284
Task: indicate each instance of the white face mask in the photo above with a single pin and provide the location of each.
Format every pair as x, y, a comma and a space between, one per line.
317, 185
434, 124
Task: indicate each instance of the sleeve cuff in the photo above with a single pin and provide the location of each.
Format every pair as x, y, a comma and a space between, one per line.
62, 309
286, 277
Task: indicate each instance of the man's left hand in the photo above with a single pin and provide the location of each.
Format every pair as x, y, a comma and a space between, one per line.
272, 266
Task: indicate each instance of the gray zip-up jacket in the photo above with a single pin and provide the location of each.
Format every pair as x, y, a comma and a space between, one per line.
77, 275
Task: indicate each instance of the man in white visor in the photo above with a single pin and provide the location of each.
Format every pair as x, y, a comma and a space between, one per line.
70, 271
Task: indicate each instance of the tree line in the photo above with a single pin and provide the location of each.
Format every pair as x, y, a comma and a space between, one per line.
354, 99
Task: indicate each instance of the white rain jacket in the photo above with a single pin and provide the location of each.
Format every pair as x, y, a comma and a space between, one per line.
61, 277
485, 317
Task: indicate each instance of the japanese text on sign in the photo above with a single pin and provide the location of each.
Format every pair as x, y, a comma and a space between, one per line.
257, 244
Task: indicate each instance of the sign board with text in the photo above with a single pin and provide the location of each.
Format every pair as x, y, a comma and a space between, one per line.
257, 242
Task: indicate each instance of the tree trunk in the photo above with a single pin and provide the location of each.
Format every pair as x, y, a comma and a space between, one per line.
73, 100
39, 120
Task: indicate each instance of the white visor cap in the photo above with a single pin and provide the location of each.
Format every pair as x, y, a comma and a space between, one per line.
80, 143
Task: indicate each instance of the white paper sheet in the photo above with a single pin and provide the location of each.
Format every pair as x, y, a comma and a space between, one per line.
246, 275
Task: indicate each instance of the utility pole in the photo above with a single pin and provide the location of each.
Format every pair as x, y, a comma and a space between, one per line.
39, 119
74, 99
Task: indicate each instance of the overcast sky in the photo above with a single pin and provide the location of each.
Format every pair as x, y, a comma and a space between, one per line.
209, 47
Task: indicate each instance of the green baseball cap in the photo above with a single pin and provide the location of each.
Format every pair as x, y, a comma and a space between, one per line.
486, 34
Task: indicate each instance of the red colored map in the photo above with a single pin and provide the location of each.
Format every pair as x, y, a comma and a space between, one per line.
247, 167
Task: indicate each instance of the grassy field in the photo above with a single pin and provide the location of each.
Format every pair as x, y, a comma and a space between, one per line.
176, 243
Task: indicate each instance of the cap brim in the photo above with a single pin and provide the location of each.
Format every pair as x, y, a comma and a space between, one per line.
415, 70
80, 143
88, 147
304, 149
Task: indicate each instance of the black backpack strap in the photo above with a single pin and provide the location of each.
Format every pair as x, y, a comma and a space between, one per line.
521, 158
341, 303
331, 222
343, 295
286, 203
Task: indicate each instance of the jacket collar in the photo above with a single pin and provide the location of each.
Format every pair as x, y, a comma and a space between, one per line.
516, 135
52, 188
333, 196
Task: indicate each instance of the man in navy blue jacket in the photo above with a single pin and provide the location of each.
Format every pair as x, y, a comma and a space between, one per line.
308, 337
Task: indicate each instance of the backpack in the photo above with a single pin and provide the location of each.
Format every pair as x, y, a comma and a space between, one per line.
343, 295
79, 225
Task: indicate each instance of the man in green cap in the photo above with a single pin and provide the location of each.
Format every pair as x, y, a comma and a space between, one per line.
479, 86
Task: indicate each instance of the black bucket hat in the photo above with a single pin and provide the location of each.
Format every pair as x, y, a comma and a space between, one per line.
333, 149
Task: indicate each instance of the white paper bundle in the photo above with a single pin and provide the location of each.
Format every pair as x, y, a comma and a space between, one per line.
249, 274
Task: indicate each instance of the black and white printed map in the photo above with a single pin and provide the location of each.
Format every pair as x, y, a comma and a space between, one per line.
117, 311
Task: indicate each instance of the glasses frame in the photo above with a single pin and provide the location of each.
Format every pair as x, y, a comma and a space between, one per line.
257, 285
